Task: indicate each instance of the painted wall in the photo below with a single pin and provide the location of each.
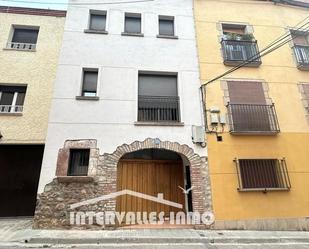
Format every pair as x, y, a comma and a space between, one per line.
119, 58
279, 71
37, 70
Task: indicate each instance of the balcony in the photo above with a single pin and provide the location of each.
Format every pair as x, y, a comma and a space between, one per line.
158, 109
253, 119
236, 52
11, 109
302, 56
262, 175
21, 46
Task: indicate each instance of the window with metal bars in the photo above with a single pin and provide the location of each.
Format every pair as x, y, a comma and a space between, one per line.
262, 174
79, 162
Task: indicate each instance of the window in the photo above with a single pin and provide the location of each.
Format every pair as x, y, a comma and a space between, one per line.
24, 38
238, 45
158, 99
248, 110
133, 23
262, 174
301, 49
166, 26
97, 20
90, 81
12, 98
78, 162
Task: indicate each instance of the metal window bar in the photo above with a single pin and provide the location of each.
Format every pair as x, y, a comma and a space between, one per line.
158, 109
21, 46
79, 162
262, 174
252, 118
239, 51
302, 55
11, 108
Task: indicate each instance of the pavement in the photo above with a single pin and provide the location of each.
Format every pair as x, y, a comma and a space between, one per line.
17, 233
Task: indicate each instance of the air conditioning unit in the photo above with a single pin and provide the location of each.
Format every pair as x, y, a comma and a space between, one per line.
198, 134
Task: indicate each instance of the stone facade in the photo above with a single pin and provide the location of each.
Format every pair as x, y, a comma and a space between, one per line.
53, 204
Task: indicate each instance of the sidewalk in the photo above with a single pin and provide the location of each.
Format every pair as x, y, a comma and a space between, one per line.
19, 231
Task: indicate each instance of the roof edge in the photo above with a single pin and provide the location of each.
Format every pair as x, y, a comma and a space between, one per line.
32, 11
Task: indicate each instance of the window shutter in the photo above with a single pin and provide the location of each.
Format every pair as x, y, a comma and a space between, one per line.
157, 85
6, 98
25, 36
132, 24
246, 92
90, 81
97, 22
166, 27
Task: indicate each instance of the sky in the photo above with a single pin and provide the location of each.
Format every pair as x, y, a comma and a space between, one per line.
36, 5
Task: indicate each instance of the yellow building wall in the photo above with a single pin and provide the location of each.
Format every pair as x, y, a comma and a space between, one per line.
37, 70
279, 71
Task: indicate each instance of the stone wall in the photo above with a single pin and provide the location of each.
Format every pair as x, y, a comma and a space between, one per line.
53, 205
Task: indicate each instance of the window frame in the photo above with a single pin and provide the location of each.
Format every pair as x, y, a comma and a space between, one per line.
85, 70
71, 167
97, 13
136, 16
14, 100
166, 18
22, 46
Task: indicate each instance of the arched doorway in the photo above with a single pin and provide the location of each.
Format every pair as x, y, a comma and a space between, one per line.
153, 172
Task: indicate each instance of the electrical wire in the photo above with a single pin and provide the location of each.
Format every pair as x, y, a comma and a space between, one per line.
78, 4
261, 52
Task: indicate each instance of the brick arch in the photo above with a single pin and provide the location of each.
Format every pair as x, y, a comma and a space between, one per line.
201, 193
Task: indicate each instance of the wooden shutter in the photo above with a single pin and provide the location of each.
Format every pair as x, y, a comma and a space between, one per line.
242, 92
248, 107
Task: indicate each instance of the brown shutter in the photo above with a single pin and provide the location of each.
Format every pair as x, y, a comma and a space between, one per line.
248, 107
242, 92
300, 40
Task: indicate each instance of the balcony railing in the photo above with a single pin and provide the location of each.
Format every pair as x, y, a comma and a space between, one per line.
262, 174
21, 46
235, 52
11, 108
158, 109
302, 56
253, 119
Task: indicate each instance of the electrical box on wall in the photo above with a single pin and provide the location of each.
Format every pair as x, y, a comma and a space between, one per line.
222, 119
214, 119
198, 134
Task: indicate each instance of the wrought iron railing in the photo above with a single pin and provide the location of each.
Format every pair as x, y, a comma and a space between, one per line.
262, 174
158, 109
252, 118
302, 55
11, 108
21, 46
235, 52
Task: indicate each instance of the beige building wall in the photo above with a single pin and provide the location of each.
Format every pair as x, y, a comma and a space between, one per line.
36, 69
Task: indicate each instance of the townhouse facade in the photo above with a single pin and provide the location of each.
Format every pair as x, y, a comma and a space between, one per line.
126, 112
30, 42
257, 116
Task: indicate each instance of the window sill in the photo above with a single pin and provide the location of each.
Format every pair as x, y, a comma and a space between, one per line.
92, 31
11, 114
255, 133
69, 179
262, 189
132, 34
159, 124
167, 37
17, 49
87, 98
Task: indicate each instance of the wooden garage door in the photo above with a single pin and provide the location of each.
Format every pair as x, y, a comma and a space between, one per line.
150, 177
